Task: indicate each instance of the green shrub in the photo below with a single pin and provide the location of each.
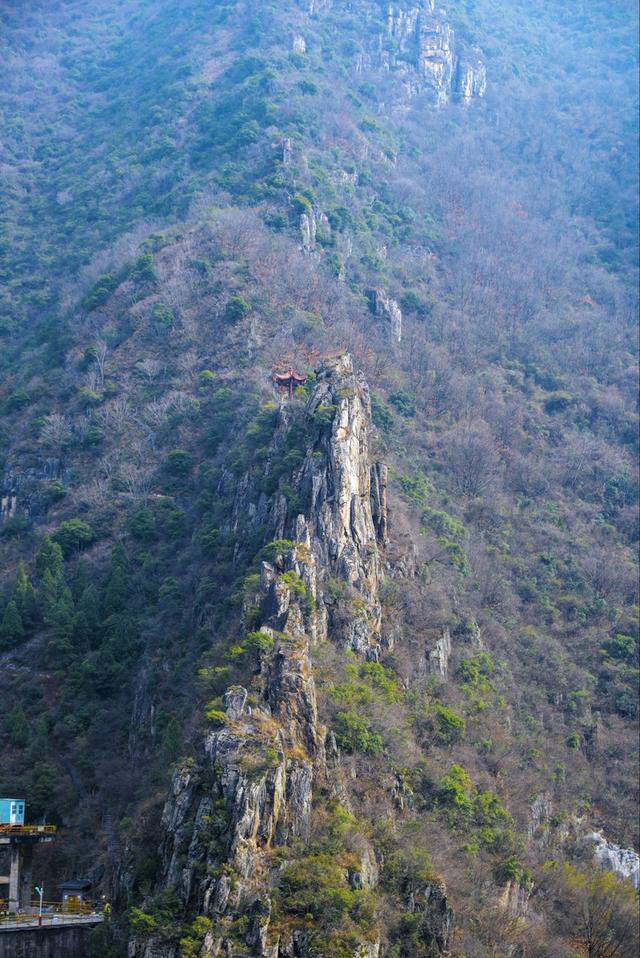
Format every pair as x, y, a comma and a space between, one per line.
142, 525
323, 415
511, 870
100, 293
316, 888
143, 269
179, 463
456, 790
489, 810
90, 396
302, 204
171, 520
418, 489
382, 679
140, 922
191, 945
558, 401
162, 316
261, 642
353, 733
73, 535
295, 583
336, 590
275, 548
404, 403
236, 309
214, 714
452, 727
12, 627
623, 647
93, 437
16, 400
443, 524
476, 672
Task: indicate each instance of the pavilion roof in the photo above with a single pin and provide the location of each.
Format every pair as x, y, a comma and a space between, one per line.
287, 377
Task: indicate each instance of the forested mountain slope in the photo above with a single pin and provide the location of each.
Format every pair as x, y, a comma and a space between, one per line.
353, 673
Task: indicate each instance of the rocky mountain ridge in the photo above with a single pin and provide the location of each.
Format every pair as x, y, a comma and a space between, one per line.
260, 772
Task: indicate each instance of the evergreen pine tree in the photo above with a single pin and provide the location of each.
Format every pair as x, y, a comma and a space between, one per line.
17, 727
49, 558
80, 580
25, 598
60, 618
48, 595
12, 628
118, 585
86, 622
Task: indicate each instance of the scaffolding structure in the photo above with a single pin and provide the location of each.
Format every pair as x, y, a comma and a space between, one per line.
20, 840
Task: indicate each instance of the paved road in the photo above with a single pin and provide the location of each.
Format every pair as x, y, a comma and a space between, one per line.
50, 921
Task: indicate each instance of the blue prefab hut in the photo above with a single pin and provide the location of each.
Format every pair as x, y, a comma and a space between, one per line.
11, 811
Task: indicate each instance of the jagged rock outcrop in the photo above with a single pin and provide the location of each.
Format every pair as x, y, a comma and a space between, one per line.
388, 310
314, 225
251, 788
440, 654
471, 76
298, 44
8, 506
435, 923
344, 526
287, 151
402, 793
540, 812
316, 6
379, 481
625, 862
347, 519
420, 46
436, 60
29, 491
308, 231
514, 899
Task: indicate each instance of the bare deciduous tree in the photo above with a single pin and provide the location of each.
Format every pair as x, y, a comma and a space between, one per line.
471, 454
137, 480
55, 432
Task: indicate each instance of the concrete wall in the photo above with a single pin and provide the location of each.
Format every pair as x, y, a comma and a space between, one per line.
45, 943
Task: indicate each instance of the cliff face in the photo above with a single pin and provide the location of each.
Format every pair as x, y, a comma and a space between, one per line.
445, 68
251, 789
347, 513
420, 45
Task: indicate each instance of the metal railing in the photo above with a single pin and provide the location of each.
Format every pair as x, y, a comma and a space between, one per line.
27, 829
53, 912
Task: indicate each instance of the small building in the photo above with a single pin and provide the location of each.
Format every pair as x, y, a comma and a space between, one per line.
11, 811
289, 381
75, 893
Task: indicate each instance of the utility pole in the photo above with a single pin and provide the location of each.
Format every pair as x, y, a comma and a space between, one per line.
40, 891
